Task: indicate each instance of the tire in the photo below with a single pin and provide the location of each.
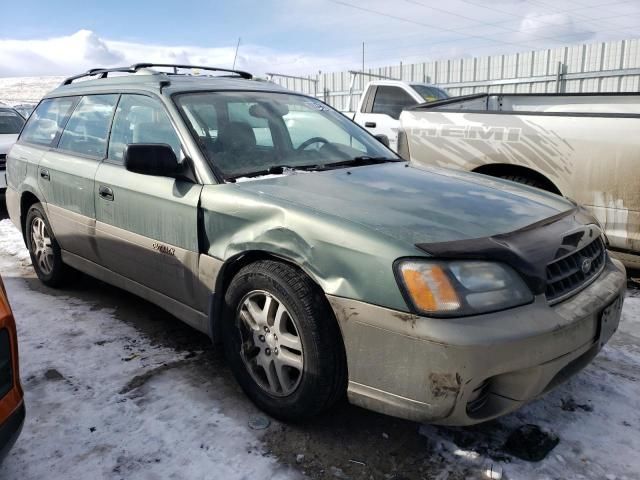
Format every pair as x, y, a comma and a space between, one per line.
526, 181
52, 271
322, 375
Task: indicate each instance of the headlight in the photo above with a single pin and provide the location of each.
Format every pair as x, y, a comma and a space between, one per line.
458, 288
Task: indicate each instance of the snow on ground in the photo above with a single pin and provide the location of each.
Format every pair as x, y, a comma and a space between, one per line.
15, 90
104, 401
91, 412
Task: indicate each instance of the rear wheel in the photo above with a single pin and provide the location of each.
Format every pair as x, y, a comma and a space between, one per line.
44, 250
282, 342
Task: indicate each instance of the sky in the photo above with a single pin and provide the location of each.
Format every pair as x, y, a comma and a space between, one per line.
63, 37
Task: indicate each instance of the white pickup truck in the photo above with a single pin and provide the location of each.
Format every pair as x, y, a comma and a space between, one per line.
583, 146
382, 101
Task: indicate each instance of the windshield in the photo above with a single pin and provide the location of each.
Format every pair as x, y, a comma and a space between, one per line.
430, 93
247, 132
10, 122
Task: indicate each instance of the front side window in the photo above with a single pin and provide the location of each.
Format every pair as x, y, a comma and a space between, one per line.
141, 119
10, 122
391, 101
46, 122
87, 130
259, 131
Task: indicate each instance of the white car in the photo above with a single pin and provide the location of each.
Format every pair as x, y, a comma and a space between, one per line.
11, 123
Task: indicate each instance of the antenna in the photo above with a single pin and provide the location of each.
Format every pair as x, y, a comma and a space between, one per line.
236, 55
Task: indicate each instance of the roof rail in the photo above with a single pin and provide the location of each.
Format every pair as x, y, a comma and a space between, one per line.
245, 75
104, 72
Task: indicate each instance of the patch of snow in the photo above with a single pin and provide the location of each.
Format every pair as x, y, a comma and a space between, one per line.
17, 90
84, 417
286, 172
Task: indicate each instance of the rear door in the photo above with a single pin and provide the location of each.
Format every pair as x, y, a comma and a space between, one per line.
382, 114
147, 226
66, 173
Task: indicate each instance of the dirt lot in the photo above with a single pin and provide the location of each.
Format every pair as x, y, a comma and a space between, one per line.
117, 388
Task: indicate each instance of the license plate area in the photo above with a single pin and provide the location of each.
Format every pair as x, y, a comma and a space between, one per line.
608, 321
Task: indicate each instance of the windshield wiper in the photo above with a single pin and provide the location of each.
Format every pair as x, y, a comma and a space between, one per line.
272, 170
359, 161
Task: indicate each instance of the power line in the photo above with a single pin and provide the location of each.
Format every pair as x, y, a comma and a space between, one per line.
408, 20
440, 42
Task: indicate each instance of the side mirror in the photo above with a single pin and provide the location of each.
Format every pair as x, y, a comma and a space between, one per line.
157, 159
383, 139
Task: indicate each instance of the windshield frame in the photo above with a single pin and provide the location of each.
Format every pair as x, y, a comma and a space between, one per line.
220, 176
17, 114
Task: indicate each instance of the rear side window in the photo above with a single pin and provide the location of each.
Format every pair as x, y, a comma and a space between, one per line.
10, 122
391, 101
141, 119
46, 122
88, 128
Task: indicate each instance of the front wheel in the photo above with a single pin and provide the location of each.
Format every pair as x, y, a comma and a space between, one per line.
44, 250
282, 341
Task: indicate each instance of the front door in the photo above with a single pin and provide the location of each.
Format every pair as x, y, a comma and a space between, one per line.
146, 226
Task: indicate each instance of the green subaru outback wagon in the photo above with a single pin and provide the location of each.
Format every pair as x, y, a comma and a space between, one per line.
325, 265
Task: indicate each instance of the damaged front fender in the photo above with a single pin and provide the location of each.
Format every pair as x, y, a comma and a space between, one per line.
346, 259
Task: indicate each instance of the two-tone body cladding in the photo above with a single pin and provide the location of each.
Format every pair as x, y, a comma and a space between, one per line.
323, 263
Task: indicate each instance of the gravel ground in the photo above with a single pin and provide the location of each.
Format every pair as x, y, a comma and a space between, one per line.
117, 388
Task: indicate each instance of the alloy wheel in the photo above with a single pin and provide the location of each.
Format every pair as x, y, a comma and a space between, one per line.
41, 246
271, 346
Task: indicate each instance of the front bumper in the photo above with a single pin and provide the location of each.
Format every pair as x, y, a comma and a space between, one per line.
10, 430
469, 370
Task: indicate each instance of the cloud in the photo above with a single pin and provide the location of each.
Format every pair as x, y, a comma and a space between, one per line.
554, 26
85, 49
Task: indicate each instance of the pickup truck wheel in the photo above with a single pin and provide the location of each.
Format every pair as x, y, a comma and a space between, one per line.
282, 342
526, 181
44, 249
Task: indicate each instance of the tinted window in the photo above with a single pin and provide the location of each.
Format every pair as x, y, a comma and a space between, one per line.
141, 119
88, 128
10, 122
391, 101
430, 93
47, 120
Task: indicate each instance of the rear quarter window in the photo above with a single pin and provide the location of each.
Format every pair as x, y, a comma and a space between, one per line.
46, 122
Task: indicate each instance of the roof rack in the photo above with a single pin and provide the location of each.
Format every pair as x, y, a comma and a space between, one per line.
104, 72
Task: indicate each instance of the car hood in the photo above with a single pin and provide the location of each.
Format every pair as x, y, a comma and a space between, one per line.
6, 141
415, 204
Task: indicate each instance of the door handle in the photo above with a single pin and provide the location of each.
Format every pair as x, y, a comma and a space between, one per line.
370, 124
105, 193
44, 173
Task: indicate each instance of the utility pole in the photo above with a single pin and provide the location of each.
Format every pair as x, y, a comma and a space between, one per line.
236, 55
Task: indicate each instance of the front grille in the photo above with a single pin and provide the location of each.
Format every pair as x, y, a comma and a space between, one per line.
6, 370
3, 160
569, 274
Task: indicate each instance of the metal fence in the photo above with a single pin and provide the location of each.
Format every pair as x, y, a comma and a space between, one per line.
597, 67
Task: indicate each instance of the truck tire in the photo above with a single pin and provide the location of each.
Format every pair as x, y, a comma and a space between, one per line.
44, 250
282, 341
532, 182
